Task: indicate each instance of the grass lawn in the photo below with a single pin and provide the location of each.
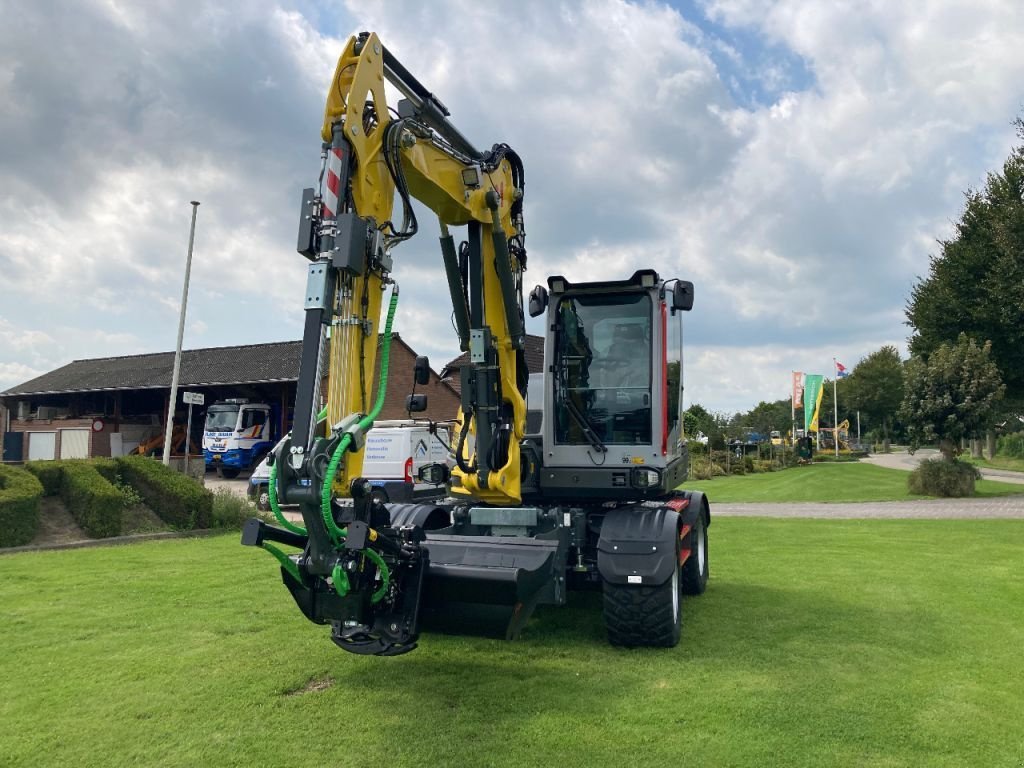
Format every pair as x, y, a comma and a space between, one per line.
818, 643
826, 482
997, 462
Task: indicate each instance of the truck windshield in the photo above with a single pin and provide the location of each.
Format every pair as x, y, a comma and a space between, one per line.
603, 369
221, 418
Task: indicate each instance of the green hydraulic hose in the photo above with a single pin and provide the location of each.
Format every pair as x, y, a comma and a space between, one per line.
385, 576
365, 423
272, 493
341, 584
286, 562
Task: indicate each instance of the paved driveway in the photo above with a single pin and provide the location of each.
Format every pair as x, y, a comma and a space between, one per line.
903, 460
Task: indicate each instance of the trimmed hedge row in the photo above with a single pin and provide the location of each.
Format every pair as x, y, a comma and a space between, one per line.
20, 492
176, 499
50, 474
96, 505
85, 487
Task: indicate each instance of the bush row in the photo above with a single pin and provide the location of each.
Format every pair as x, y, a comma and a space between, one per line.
1011, 445
84, 486
178, 500
20, 492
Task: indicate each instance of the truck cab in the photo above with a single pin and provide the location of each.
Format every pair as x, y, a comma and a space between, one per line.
237, 435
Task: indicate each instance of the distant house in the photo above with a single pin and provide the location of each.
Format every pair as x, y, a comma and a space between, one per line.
534, 362
107, 406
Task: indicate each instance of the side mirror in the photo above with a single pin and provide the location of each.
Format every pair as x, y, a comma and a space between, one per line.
682, 295
434, 474
422, 370
416, 403
538, 300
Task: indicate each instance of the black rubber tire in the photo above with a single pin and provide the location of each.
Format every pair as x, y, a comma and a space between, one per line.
644, 616
379, 495
696, 568
228, 473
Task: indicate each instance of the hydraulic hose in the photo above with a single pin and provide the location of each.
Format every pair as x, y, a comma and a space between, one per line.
272, 493
365, 423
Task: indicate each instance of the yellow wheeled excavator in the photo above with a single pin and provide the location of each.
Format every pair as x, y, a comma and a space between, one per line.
588, 502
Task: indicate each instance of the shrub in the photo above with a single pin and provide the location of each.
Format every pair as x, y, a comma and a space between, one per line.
231, 510
764, 465
696, 448
20, 492
93, 502
106, 467
705, 469
938, 477
178, 500
1011, 445
49, 473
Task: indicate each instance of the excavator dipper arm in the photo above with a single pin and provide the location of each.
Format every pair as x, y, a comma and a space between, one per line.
358, 571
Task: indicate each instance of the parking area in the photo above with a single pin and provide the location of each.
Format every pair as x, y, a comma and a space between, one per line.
239, 486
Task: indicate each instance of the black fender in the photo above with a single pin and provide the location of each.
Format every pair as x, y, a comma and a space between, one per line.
429, 517
698, 502
638, 545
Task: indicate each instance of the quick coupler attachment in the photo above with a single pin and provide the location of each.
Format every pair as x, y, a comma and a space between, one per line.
372, 594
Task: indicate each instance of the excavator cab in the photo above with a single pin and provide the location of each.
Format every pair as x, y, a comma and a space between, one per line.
612, 388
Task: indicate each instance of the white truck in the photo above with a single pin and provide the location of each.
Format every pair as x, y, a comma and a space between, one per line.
394, 452
237, 435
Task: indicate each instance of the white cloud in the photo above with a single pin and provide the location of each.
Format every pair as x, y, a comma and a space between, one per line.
803, 221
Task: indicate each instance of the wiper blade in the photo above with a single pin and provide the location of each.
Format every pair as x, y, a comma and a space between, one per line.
586, 426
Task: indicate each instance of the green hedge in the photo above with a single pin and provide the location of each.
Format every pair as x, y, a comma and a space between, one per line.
106, 467
50, 474
20, 492
85, 487
178, 500
1011, 445
96, 505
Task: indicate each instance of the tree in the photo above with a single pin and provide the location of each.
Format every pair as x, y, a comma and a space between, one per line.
765, 417
875, 388
976, 284
697, 419
950, 395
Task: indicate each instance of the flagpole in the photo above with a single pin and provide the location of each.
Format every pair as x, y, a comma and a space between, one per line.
792, 407
835, 406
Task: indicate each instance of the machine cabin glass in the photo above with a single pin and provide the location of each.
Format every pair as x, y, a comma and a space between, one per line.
603, 369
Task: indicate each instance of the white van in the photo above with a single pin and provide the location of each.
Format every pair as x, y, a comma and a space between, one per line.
392, 456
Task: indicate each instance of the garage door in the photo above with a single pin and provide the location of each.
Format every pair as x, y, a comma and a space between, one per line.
74, 443
42, 445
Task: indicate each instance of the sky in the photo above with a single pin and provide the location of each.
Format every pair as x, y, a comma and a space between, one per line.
798, 161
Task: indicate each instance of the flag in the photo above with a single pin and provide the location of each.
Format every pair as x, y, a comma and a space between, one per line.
812, 400
798, 389
841, 372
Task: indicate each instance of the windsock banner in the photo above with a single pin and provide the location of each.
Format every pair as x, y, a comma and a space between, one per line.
798, 389
812, 400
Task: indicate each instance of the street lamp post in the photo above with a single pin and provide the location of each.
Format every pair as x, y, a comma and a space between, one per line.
181, 334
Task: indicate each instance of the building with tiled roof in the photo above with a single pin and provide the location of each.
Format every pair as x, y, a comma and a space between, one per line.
534, 362
76, 410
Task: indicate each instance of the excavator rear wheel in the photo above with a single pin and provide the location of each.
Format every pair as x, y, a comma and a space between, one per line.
638, 616
695, 569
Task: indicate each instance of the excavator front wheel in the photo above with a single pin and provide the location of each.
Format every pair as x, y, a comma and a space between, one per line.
645, 616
